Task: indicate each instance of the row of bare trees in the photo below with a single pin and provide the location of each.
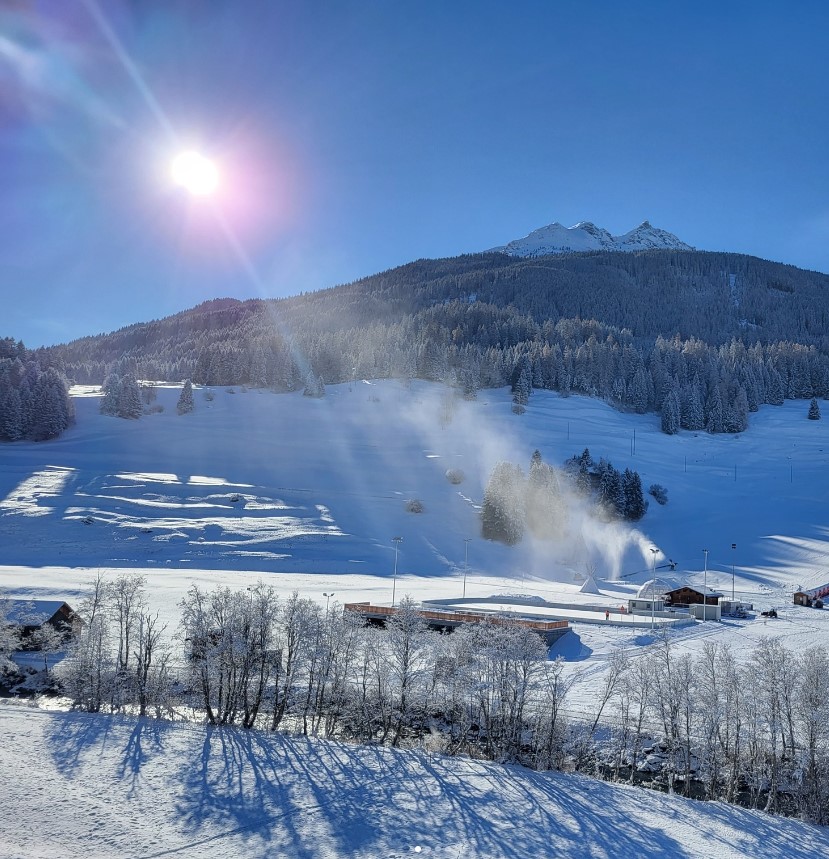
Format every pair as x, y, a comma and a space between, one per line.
751, 730
122, 655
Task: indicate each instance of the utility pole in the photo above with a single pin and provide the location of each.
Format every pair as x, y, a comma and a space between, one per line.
466, 542
705, 587
397, 541
733, 547
654, 550
327, 599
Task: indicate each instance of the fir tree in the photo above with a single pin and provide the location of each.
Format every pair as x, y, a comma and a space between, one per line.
546, 513
611, 496
110, 390
314, 387
814, 410
185, 401
714, 420
635, 504
502, 512
129, 397
670, 414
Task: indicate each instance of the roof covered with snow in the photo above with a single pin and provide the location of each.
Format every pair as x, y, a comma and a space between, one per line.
30, 612
658, 587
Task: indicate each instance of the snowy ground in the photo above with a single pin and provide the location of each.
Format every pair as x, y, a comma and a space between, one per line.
283, 483
100, 786
307, 494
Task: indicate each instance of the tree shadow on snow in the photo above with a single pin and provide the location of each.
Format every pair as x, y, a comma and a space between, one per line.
297, 794
72, 736
570, 648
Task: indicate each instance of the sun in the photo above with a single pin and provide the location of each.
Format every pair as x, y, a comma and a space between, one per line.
195, 173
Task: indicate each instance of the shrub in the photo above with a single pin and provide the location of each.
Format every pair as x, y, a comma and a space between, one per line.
415, 505
659, 493
455, 476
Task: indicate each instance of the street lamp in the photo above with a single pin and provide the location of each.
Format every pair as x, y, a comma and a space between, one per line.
466, 542
327, 598
397, 541
733, 547
654, 550
705, 587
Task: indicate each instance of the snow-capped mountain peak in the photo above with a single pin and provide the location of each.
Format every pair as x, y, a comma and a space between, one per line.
586, 236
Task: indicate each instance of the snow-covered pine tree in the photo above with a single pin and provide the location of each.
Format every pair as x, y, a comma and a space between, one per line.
774, 388
714, 407
11, 415
610, 494
110, 390
129, 397
639, 391
185, 401
546, 512
671, 414
314, 387
50, 407
522, 387
502, 512
814, 410
635, 504
692, 416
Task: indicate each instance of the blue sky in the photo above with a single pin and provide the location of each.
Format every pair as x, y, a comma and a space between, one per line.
356, 136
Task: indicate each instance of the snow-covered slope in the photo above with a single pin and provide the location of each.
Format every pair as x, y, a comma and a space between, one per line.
283, 483
101, 786
308, 493
586, 236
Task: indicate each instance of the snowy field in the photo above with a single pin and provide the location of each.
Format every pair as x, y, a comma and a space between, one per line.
282, 483
307, 495
104, 787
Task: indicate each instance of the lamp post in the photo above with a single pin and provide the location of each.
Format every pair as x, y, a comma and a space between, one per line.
466, 542
654, 550
733, 548
397, 541
705, 586
327, 599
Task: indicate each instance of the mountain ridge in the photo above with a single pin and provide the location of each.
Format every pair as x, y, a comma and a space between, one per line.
555, 238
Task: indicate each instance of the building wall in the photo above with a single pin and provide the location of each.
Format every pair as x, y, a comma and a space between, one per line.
688, 596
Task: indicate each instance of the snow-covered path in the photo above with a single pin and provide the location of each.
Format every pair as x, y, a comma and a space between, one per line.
99, 786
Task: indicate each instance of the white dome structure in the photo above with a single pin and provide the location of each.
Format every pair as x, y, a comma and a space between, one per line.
657, 587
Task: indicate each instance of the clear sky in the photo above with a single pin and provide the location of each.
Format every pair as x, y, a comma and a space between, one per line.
351, 137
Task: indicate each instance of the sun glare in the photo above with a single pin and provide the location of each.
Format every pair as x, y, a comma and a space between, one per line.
195, 173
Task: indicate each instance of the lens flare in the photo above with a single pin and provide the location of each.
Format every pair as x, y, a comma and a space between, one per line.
196, 174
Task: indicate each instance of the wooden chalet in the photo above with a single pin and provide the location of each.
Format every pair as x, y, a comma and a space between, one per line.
813, 597
29, 616
687, 595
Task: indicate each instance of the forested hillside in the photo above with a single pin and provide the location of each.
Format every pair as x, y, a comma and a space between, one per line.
703, 338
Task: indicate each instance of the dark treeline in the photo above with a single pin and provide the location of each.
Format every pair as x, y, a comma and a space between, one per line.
753, 730
34, 402
702, 338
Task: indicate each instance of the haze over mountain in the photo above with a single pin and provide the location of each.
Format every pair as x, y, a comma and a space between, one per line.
586, 236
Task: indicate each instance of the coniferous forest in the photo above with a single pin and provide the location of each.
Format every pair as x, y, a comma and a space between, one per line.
34, 403
701, 339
